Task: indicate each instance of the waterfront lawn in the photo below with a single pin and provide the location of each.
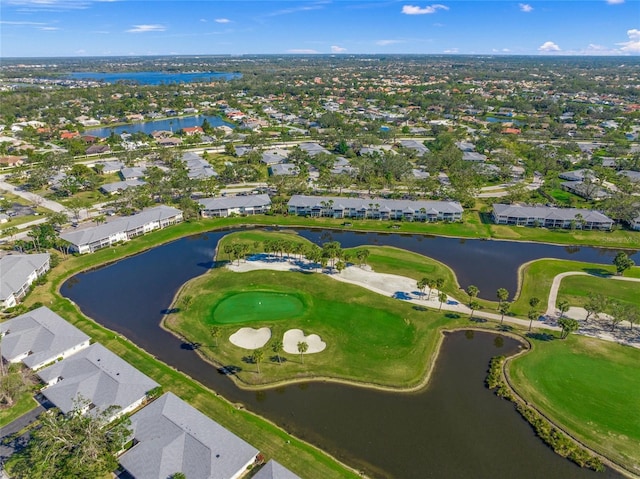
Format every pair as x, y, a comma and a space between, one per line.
589, 387
370, 338
535, 280
576, 289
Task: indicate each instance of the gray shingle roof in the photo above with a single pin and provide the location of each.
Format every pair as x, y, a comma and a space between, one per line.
128, 223
15, 269
414, 145
283, 169
364, 203
42, 333
275, 470
547, 212
175, 437
121, 185
312, 148
98, 375
230, 202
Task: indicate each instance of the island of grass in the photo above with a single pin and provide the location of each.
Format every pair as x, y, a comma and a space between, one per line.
375, 340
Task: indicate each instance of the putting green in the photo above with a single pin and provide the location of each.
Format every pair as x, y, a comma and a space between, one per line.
257, 306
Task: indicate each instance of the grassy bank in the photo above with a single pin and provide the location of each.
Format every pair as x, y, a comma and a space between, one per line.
588, 387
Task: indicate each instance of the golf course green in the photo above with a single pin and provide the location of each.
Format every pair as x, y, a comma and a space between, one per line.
249, 306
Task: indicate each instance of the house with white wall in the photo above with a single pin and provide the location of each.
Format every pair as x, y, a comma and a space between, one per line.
17, 274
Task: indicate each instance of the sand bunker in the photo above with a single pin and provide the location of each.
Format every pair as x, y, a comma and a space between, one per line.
249, 338
294, 336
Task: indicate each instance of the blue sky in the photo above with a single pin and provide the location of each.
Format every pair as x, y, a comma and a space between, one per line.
46, 28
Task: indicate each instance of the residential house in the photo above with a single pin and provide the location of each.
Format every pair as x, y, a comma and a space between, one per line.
632, 175
414, 145
588, 190
110, 166
635, 224
98, 376
17, 274
120, 186
550, 217
272, 158
40, 337
275, 470
12, 160
193, 130
341, 165
577, 175
312, 148
238, 205
88, 240
473, 156
284, 169
197, 167
377, 208
98, 149
132, 173
172, 436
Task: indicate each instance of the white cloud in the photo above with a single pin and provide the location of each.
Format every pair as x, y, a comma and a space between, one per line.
3, 22
549, 47
147, 28
222, 20
337, 49
450, 50
48, 29
429, 9
319, 5
615, 2
302, 51
384, 43
633, 45
526, 8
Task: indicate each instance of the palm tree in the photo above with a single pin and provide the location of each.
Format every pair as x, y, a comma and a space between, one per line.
439, 283
276, 347
215, 333
303, 346
504, 309
532, 315
473, 305
257, 356
431, 283
442, 297
422, 284
563, 307
473, 291
533, 302
502, 295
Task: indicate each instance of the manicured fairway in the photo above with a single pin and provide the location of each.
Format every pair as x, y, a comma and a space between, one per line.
256, 306
590, 387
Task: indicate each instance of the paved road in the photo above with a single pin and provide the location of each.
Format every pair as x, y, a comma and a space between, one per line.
32, 197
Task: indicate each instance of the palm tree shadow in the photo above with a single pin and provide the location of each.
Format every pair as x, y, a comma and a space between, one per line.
276, 359
541, 336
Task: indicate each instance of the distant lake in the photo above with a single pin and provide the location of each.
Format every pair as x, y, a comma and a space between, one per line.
154, 78
173, 124
492, 119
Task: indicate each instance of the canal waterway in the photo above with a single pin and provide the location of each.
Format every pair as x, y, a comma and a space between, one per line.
453, 428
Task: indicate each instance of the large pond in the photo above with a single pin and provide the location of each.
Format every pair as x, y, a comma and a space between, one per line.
154, 77
454, 428
168, 124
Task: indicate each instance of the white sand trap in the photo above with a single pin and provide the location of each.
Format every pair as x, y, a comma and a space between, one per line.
249, 338
294, 336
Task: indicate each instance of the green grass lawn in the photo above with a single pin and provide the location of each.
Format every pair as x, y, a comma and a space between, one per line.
23, 405
370, 338
588, 386
251, 306
576, 289
536, 278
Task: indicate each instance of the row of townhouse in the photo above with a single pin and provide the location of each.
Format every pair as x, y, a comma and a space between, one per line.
550, 217
90, 239
169, 435
375, 208
17, 274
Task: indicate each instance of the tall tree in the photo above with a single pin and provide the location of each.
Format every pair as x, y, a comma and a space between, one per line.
473, 292
473, 305
442, 297
596, 304
303, 346
622, 262
568, 325
534, 302
563, 307
502, 295
422, 285
257, 357
532, 315
504, 308
276, 347
72, 445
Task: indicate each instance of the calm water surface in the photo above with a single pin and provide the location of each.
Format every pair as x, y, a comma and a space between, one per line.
167, 124
154, 78
454, 428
